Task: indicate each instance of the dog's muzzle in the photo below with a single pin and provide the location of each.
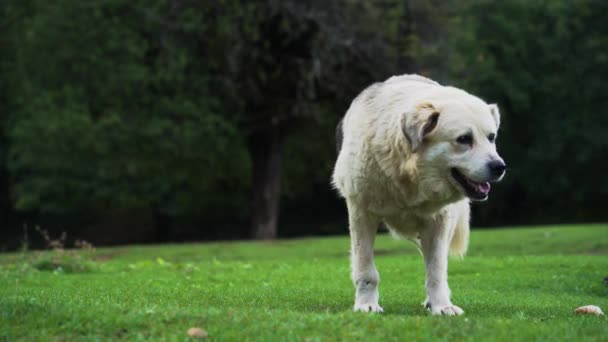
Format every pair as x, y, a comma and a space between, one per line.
497, 169
474, 190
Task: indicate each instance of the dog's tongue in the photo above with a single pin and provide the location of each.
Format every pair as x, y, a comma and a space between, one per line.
483, 187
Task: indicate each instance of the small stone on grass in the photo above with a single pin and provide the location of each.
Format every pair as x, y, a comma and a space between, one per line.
197, 333
589, 310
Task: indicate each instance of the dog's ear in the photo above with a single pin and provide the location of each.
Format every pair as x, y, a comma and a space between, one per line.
495, 113
418, 124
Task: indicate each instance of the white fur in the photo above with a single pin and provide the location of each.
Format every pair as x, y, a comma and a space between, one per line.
390, 169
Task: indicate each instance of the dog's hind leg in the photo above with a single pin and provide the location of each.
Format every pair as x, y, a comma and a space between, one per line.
363, 228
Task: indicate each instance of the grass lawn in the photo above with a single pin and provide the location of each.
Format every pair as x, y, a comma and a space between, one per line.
515, 284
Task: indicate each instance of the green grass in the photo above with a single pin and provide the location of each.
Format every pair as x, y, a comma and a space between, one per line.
515, 284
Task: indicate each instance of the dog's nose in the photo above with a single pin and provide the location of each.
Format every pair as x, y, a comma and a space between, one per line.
497, 167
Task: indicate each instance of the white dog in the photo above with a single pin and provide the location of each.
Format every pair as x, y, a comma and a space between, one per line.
412, 153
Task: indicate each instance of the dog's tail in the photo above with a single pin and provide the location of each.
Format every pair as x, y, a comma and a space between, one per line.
460, 237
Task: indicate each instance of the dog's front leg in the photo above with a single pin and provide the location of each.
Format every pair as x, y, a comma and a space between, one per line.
435, 241
363, 228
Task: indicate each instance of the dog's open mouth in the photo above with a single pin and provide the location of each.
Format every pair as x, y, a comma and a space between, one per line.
473, 190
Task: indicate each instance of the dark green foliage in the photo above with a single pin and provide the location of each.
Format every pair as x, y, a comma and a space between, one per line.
114, 110
164, 104
544, 63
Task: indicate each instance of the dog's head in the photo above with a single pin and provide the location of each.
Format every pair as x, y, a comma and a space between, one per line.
455, 141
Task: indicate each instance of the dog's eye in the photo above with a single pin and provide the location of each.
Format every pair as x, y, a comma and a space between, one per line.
465, 139
492, 137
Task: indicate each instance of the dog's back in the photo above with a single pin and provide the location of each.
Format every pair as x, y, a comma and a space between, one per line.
372, 120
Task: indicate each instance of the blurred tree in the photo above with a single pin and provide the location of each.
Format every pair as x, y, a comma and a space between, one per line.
220, 109
545, 63
296, 61
114, 111
10, 13
138, 88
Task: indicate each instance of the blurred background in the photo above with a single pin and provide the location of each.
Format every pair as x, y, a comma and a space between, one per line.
173, 120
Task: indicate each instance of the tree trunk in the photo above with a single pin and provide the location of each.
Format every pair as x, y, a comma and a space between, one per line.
162, 226
266, 149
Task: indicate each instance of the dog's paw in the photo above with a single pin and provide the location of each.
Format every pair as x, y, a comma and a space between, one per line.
449, 310
446, 310
368, 307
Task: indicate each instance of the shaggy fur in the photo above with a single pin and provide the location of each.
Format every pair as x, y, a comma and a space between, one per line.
401, 143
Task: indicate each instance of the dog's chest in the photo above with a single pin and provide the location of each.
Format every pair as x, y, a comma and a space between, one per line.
406, 217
